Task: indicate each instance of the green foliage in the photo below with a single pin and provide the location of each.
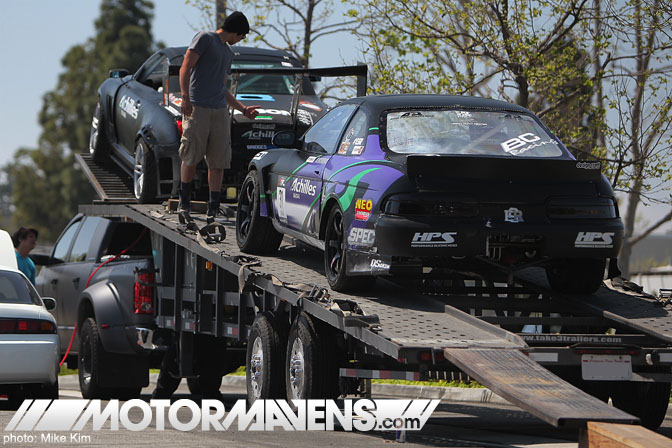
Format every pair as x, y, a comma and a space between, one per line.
46, 184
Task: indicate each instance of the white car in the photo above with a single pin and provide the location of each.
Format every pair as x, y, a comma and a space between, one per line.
29, 344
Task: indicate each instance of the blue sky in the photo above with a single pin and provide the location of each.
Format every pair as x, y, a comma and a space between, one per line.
35, 34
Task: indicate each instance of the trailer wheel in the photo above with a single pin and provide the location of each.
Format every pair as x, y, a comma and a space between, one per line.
648, 401
255, 234
311, 370
99, 146
576, 276
144, 174
265, 350
89, 361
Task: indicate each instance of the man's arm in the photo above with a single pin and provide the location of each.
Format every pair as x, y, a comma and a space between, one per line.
248, 111
190, 60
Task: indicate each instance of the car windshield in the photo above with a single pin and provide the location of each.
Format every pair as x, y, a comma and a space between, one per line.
267, 84
15, 289
425, 131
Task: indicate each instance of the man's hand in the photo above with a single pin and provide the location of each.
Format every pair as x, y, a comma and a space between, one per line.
187, 108
251, 111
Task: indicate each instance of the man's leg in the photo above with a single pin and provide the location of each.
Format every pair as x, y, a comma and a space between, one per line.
187, 173
215, 176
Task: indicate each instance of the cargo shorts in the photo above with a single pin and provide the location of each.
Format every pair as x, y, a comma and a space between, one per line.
206, 133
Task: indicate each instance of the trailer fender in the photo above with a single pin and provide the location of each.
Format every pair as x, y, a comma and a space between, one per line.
103, 302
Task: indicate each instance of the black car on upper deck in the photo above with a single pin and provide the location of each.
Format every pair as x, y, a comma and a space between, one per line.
138, 119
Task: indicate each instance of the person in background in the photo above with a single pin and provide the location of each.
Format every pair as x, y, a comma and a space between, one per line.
205, 102
25, 240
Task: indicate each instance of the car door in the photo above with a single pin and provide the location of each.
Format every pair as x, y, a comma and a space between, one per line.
51, 282
298, 176
137, 98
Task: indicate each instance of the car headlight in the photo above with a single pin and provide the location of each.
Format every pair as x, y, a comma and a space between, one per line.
579, 208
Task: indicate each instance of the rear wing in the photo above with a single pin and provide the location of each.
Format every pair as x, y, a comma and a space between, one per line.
172, 94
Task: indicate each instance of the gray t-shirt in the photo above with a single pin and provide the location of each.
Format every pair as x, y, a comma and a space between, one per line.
207, 83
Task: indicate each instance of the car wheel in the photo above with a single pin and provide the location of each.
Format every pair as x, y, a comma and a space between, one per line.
89, 362
99, 146
335, 256
144, 174
255, 234
265, 356
309, 374
576, 276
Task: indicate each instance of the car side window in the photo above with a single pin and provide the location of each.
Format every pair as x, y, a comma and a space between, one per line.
354, 139
63, 245
323, 136
153, 71
81, 247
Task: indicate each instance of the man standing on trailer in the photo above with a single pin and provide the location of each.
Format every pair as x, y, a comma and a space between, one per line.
206, 121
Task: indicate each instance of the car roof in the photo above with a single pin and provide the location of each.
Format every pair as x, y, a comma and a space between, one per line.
380, 103
238, 51
7, 252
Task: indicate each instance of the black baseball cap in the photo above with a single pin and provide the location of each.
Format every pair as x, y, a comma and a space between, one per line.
237, 23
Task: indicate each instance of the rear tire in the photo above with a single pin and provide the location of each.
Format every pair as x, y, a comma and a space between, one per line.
144, 174
265, 374
89, 363
255, 234
335, 256
99, 146
576, 276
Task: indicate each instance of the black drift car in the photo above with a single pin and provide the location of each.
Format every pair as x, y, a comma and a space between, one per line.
138, 118
416, 185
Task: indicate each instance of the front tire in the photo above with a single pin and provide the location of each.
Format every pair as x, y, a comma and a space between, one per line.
99, 146
576, 276
255, 234
144, 174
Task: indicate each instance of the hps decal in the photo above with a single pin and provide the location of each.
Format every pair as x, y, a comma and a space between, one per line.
434, 239
595, 240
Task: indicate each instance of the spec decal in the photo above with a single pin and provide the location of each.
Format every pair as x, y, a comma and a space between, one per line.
128, 106
594, 240
361, 237
363, 209
434, 239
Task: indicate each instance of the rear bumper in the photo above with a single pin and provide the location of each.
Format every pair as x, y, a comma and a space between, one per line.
31, 358
434, 237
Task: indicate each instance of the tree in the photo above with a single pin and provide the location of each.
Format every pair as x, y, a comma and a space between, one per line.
597, 73
46, 183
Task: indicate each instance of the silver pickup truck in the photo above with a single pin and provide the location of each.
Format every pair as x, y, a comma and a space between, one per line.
101, 273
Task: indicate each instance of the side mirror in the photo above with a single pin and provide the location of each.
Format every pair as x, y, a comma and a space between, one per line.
49, 303
41, 260
118, 73
284, 139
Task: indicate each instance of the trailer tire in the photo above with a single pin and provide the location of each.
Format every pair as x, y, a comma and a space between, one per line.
311, 365
265, 354
335, 256
89, 364
648, 401
99, 146
255, 234
576, 276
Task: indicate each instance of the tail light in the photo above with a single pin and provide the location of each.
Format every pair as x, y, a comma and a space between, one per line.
27, 326
179, 126
573, 208
143, 293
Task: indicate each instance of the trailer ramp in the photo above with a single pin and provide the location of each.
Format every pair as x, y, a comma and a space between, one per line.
523, 382
111, 182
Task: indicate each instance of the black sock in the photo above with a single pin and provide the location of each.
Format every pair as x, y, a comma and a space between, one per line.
185, 195
213, 205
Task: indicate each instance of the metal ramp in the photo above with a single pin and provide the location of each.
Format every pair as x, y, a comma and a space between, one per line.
112, 184
523, 382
